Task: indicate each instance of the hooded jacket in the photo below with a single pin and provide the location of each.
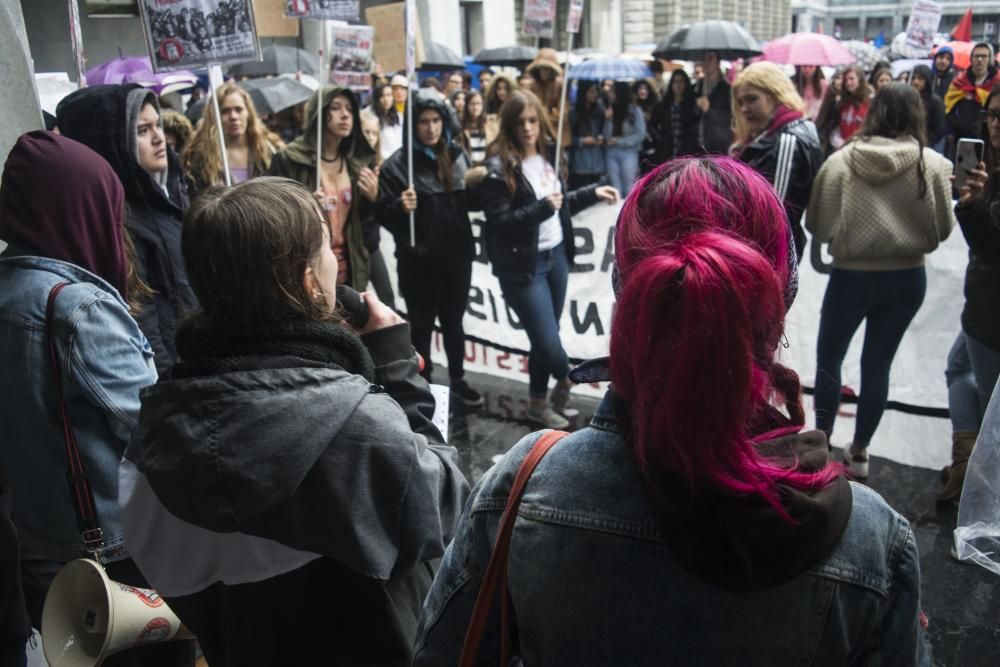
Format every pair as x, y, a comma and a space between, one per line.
866, 204
789, 155
104, 118
965, 99
298, 162
442, 228
933, 106
309, 503
942, 80
707, 584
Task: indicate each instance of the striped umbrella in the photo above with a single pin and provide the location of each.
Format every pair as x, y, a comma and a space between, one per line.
616, 69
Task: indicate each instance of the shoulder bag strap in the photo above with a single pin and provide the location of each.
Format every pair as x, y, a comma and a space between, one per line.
495, 577
79, 487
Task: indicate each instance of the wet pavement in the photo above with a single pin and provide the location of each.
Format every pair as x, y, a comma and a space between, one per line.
961, 601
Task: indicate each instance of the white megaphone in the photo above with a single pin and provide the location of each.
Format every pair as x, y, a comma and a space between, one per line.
87, 617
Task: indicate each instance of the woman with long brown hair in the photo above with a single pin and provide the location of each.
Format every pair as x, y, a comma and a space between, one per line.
529, 240
248, 148
855, 96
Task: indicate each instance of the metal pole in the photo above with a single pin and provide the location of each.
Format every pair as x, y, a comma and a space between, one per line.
76, 38
409, 155
215, 79
562, 105
319, 105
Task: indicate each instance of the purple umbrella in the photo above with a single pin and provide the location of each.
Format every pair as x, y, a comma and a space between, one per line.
137, 69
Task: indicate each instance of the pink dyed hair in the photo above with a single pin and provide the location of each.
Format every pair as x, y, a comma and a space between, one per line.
702, 257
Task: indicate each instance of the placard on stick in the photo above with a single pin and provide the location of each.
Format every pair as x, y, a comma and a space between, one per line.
188, 34
390, 36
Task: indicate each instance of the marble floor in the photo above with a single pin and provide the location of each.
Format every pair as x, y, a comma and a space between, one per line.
961, 601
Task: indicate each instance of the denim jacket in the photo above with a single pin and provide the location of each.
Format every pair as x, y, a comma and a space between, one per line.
633, 130
104, 361
593, 583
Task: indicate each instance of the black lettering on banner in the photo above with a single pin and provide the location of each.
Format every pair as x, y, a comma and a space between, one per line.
476, 298
590, 317
493, 306
609, 250
582, 248
478, 242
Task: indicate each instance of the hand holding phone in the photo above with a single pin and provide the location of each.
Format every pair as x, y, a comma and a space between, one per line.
968, 155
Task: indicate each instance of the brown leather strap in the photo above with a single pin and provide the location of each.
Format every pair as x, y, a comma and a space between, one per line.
495, 577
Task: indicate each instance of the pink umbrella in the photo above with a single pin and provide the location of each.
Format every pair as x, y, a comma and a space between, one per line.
137, 69
807, 48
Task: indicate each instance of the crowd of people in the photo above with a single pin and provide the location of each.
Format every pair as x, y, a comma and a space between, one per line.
174, 318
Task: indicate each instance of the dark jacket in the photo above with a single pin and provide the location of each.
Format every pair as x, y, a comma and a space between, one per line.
964, 101
789, 155
442, 229
104, 118
309, 489
715, 128
942, 80
663, 127
980, 223
513, 219
933, 107
15, 628
298, 162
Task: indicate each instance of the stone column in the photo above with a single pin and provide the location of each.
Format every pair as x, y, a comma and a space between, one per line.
638, 22
499, 23
606, 25
19, 105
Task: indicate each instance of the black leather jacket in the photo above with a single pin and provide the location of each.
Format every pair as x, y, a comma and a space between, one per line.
790, 158
980, 223
513, 219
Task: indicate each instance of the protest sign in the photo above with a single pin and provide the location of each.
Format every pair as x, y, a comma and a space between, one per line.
574, 16
334, 10
539, 18
351, 61
187, 34
925, 17
389, 23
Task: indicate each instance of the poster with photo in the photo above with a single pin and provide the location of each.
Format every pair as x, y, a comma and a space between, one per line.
539, 18
351, 57
574, 16
334, 10
188, 34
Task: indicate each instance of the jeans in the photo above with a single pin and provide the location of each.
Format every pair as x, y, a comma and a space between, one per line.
973, 369
623, 167
887, 301
437, 293
539, 305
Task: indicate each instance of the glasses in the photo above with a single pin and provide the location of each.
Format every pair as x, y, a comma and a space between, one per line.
988, 115
981, 56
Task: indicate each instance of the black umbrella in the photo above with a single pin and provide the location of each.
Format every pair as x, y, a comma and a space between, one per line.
277, 59
275, 94
690, 42
515, 56
439, 56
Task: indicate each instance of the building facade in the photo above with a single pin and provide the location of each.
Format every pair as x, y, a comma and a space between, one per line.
858, 19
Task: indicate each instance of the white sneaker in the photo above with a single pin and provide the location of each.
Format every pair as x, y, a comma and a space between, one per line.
547, 417
857, 463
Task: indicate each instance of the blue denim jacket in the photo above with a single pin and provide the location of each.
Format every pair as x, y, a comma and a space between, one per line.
105, 360
593, 583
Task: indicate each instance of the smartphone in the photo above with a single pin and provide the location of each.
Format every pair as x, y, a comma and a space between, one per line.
968, 155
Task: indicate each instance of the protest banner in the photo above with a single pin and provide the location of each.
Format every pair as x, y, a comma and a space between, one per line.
351, 60
539, 18
271, 20
925, 17
914, 430
327, 10
188, 34
574, 16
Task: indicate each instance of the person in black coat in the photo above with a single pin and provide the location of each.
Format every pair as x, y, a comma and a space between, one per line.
675, 120
529, 241
122, 125
921, 79
712, 93
774, 136
435, 273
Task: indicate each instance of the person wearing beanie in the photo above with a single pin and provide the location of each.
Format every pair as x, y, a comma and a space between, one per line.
969, 90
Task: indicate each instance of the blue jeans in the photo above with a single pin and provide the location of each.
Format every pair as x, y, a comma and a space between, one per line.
539, 305
887, 301
623, 167
973, 369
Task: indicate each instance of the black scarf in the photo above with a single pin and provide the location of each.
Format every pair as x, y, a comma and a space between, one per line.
296, 344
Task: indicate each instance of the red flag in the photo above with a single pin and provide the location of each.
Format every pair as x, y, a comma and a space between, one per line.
963, 31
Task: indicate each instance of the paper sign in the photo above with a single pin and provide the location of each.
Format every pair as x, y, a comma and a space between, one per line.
334, 10
539, 18
924, 21
188, 34
574, 16
351, 60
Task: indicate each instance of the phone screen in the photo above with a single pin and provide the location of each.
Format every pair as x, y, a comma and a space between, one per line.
968, 155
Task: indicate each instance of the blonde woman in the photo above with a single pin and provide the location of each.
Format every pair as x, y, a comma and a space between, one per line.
776, 138
248, 145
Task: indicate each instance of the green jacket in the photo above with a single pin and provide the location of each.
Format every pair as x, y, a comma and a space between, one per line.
298, 162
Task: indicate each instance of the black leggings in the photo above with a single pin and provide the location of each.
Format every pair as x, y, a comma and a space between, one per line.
437, 293
378, 274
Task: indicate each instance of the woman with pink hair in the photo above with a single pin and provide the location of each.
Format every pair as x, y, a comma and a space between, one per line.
693, 522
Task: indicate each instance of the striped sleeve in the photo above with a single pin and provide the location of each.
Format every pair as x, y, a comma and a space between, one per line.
783, 167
